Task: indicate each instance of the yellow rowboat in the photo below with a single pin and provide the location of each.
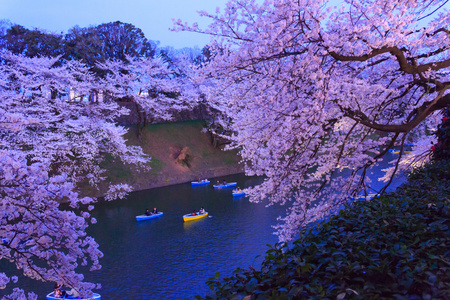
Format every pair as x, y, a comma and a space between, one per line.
190, 217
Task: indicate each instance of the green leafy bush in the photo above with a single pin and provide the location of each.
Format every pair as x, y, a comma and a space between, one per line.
393, 247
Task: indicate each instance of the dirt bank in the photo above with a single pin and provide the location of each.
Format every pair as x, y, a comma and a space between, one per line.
180, 153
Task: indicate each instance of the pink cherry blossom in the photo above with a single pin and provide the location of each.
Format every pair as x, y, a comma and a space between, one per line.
57, 122
309, 92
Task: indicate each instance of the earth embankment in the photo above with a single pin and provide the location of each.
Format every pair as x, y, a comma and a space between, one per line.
180, 152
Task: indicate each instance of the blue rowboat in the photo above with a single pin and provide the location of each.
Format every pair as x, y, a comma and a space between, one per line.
145, 217
393, 151
195, 183
238, 194
221, 186
94, 296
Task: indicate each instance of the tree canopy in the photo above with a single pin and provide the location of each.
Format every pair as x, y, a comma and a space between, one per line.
318, 94
32, 43
57, 122
90, 45
109, 41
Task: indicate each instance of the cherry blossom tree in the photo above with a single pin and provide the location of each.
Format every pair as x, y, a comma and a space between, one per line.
157, 88
57, 122
318, 94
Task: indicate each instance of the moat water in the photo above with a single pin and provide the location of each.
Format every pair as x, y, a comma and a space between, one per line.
167, 258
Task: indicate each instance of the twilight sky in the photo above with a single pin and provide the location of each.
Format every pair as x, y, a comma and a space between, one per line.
154, 17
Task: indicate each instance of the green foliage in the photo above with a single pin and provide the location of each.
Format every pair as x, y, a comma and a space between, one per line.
108, 41
31, 43
91, 45
393, 247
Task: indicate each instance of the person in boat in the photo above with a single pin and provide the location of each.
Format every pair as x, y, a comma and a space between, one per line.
202, 211
155, 211
59, 293
224, 182
57, 290
194, 213
147, 212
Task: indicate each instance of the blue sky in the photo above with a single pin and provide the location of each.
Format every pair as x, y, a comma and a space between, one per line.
154, 17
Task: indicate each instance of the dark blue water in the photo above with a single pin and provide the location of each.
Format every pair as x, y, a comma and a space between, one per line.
166, 258
169, 258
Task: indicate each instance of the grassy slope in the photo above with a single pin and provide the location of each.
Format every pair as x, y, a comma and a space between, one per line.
160, 141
